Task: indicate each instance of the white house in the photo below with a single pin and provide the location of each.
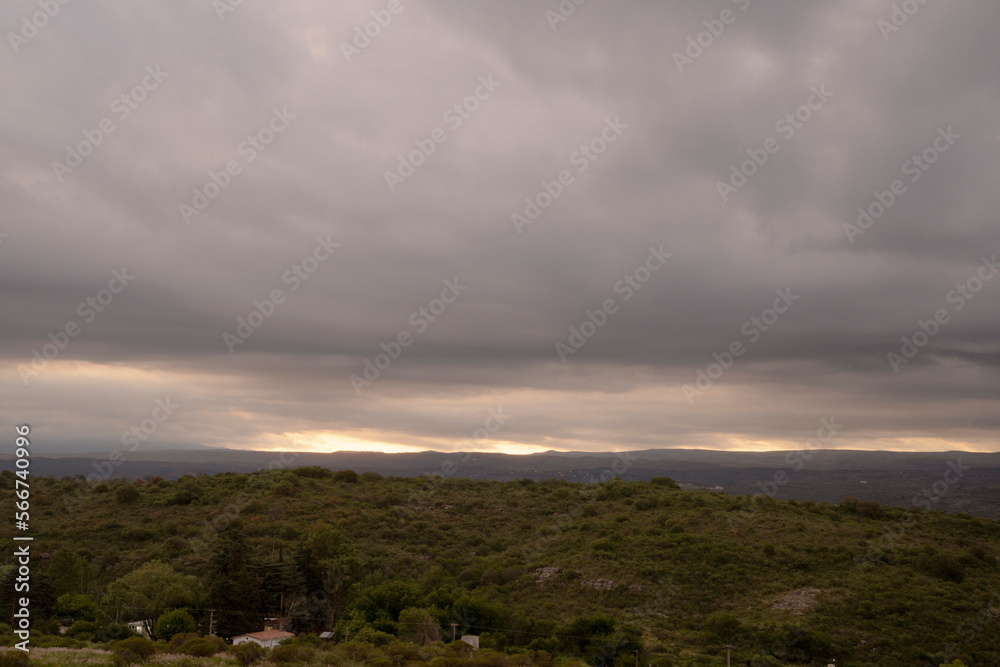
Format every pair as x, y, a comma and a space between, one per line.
267, 639
139, 627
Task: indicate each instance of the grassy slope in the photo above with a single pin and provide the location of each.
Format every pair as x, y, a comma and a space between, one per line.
675, 558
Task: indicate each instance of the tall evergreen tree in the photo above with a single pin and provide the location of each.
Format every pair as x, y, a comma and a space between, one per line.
234, 587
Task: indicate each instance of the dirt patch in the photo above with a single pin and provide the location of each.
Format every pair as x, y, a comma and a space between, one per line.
796, 602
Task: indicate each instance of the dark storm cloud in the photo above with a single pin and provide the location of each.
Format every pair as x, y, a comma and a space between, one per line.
344, 124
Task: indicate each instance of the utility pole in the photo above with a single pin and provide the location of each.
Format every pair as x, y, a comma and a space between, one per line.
728, 649
637, 658
211, 623
453, 626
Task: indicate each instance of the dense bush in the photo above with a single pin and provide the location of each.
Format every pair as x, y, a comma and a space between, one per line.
348, 476
285, 653
248, 653
13, 658
133, 650
126, 494
198, 647
174, 622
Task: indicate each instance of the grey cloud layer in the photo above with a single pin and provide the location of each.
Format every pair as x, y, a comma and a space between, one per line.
656, 184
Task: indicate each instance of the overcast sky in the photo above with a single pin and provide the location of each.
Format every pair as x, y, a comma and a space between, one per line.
629, 125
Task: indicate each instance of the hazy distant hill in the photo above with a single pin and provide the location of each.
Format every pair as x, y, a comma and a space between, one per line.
892, 478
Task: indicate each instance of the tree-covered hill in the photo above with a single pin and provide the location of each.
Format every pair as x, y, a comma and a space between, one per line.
542, 571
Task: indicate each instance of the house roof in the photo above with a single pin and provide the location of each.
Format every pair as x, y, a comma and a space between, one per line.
267, 634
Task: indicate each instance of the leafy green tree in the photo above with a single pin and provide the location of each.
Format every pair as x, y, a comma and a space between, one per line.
723, 625
379, 605
66, 572
148, 591
578, 635
77, 606
418, 626
43, 597
174, 622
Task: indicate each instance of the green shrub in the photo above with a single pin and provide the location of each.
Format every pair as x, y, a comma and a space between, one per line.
13, 658
247, 653
172, 623
47, 626
348, 476
199, 648
375, 637
285, 653
133, 650
943, 566
313, 472
75, 606
864, 508
179, 639
126, 494
82, 630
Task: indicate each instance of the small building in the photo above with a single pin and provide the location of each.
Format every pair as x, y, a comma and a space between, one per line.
471, 640
267, 638
139, 627
328, 636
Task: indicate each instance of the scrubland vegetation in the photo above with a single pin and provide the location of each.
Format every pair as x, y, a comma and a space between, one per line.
545, 573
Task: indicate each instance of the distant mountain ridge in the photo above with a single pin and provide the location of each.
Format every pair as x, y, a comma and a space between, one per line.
892, 478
